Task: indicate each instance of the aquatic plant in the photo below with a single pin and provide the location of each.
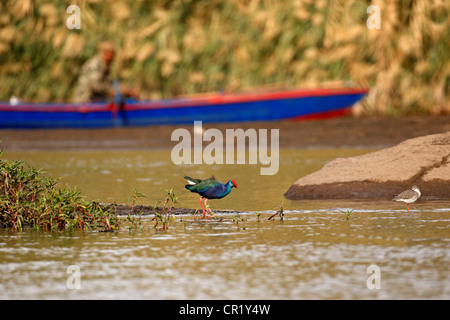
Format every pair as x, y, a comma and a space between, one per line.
347, 213
134, 198
165, 216
238, 219
28, 198
133, 222
279, 212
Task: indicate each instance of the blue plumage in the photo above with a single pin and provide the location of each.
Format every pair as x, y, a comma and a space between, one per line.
209, 188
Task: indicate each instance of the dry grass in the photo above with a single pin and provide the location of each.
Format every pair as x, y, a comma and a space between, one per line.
184, 47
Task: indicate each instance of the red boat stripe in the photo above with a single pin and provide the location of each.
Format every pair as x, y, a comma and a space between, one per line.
201, 101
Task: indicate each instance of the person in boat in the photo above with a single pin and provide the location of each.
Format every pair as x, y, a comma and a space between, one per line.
94, 82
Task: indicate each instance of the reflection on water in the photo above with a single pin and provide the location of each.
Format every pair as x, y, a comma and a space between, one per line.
314, 253
311, 254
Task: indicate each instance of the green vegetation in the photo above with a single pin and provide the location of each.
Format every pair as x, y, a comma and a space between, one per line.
279, 212
168, 48
30, 199
165, 216
347, 213
237, 218
135, 223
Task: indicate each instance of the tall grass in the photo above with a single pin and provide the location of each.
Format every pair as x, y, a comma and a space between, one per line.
168, 48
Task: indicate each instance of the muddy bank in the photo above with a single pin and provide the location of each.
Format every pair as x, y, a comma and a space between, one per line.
125, 210
371, 132
436, 190
422, 161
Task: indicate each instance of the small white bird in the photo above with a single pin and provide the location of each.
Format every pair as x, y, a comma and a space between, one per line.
408, 196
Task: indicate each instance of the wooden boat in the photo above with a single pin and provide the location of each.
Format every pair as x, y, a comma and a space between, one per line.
294, 104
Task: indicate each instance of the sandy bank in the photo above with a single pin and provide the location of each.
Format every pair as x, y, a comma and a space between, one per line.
422, 161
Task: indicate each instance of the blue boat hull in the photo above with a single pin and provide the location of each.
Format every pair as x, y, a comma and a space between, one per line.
209, 109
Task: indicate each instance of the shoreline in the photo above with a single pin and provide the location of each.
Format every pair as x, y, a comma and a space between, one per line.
348, 131
123, 210
144, 210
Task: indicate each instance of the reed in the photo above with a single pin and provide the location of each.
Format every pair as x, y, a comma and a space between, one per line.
185, 47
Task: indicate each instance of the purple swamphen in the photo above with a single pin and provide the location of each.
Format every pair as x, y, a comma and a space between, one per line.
210, 189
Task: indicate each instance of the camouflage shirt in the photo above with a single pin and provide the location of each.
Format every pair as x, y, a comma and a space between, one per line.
94, 83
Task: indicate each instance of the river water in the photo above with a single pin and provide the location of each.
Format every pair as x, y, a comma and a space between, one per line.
379, 252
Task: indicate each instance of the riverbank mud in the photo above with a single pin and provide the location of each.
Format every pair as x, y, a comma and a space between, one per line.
351, 132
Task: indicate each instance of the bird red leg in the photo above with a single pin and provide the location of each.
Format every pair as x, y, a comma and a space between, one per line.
407, 206
208, 208
201, 203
